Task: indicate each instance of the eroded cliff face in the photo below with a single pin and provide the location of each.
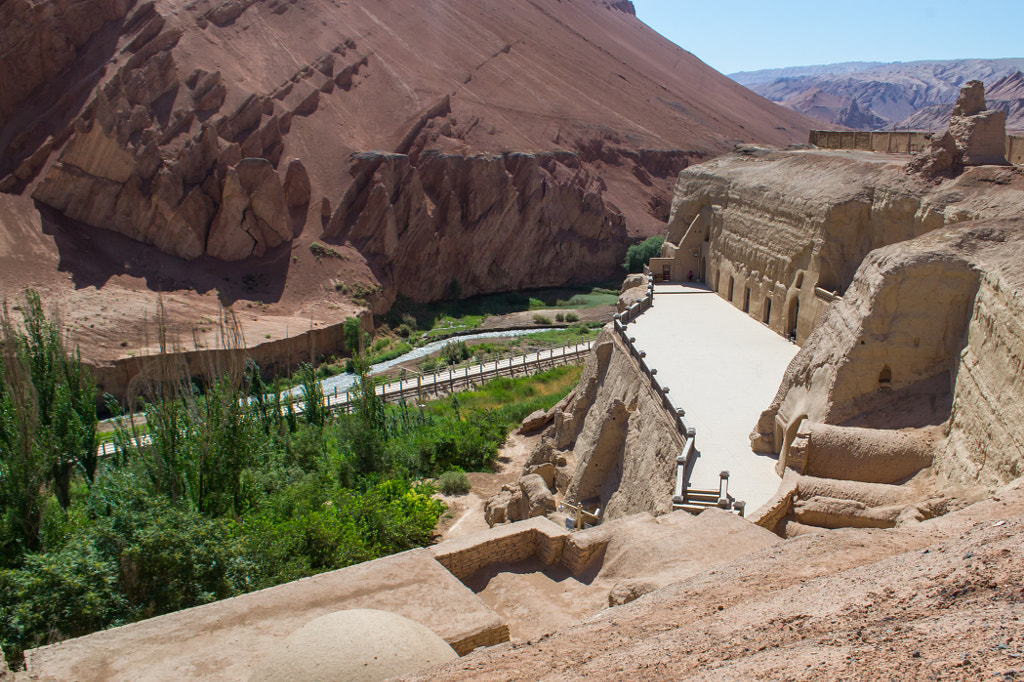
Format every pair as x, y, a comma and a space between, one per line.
483, 223
618, 434
225, 129
986, 442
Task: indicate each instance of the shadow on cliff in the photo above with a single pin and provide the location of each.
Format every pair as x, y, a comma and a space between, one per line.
92, 256
53, 106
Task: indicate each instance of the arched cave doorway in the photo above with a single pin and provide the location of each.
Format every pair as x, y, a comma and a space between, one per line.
732, 287
792, 319
746, 299
885, 377
767, 310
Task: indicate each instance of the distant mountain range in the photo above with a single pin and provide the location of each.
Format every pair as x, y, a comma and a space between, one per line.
900, 95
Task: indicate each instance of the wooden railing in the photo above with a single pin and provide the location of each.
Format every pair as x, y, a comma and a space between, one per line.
450, 380
438, 383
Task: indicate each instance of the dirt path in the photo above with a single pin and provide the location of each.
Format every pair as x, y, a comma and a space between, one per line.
465, 513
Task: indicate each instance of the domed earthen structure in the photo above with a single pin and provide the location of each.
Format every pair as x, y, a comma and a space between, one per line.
357, 645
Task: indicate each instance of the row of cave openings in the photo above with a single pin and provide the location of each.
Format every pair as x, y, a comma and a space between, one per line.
792, 315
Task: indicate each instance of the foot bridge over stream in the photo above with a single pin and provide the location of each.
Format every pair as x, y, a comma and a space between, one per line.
716, 369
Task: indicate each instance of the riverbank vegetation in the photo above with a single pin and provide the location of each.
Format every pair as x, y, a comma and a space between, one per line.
229, 490
640, 254
424, 323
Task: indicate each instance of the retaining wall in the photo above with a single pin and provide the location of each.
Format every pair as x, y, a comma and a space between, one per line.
891, 142
895, 142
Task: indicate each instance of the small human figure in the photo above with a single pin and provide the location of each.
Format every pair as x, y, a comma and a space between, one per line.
689, 275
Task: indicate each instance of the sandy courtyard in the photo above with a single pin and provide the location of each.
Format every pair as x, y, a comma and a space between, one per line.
723, 368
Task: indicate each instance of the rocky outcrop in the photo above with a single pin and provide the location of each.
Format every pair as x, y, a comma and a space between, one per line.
188, 188
633, 289
612, 445
976, 136
296, 185
41, 39
528, 498
441, 222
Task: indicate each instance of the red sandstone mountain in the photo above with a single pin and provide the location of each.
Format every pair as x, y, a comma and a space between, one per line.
203, 146
841, 111
1005, 94
891, 91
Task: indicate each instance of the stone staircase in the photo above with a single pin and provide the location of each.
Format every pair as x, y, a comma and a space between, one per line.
696, 500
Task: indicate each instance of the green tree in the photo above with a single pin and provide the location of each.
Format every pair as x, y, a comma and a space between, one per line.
47, 420
312, 396
639, 255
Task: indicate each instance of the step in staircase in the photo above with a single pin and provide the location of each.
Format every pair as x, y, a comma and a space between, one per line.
696, 500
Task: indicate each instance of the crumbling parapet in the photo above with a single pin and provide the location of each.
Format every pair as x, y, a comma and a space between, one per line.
976, 136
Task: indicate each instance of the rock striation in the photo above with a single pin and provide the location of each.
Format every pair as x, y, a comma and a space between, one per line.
430, 221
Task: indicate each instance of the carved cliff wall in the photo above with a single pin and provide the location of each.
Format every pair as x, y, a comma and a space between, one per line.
986, 442
929, 333
781, 234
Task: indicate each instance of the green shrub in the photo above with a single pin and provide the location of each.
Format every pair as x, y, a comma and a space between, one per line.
572, 317
404, 330
454, 483
560, 317
541, 319
639, 255
455, 352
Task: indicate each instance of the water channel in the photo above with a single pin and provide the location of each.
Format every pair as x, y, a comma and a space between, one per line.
343, 382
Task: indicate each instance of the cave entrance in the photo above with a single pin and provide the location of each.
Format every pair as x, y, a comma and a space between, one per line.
767, 311
702, 273
885, 378
746, 299
793, 317
732, 287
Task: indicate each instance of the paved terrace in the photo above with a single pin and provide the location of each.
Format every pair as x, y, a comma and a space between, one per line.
723, 367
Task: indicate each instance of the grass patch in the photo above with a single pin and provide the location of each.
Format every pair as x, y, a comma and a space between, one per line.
463, 315
514, 398
321, 251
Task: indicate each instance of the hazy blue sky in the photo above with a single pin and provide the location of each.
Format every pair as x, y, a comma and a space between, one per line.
745, 35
